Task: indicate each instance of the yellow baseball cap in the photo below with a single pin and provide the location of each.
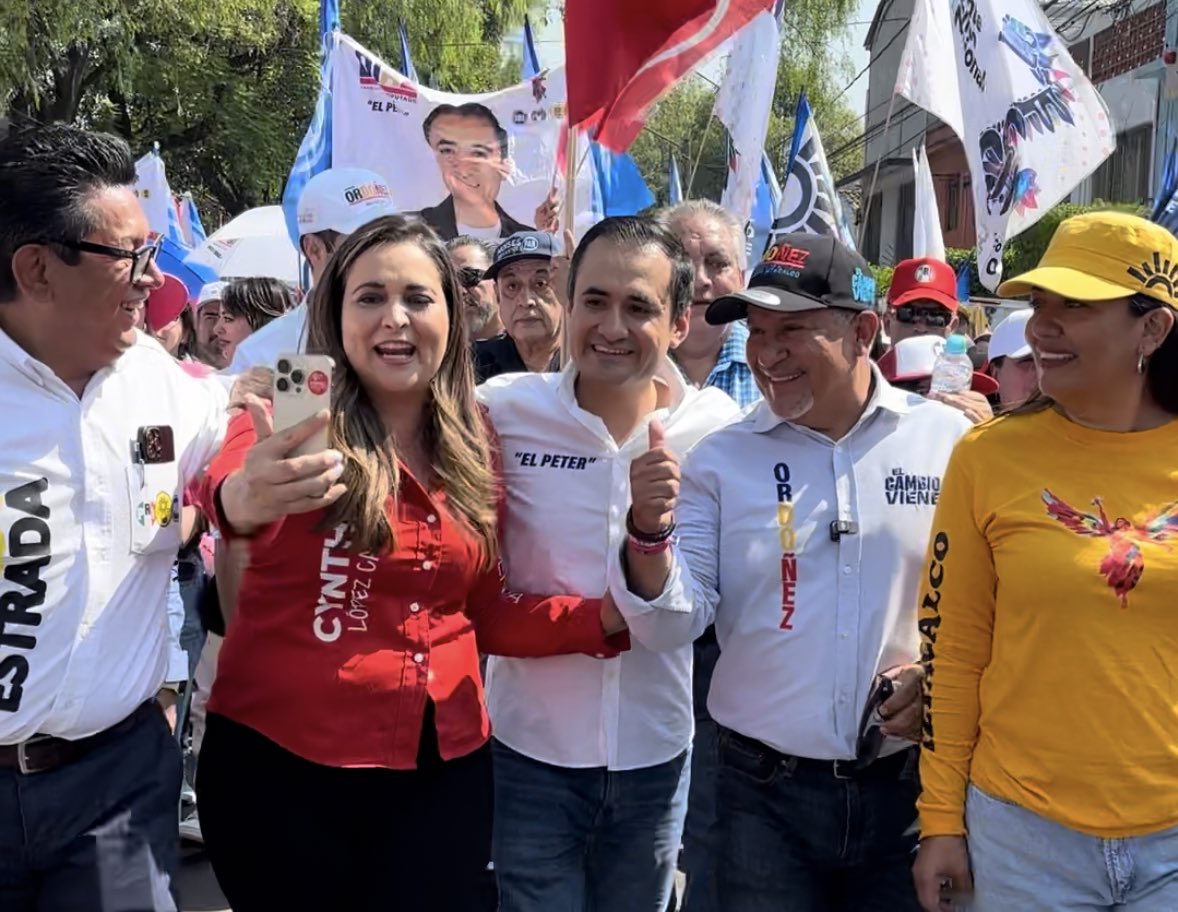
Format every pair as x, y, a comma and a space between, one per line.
1099, 256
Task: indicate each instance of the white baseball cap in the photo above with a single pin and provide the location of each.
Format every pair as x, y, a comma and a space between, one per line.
343, 199
1009, 339
211, 291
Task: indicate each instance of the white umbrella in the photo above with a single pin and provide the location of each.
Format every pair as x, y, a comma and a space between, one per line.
254, 243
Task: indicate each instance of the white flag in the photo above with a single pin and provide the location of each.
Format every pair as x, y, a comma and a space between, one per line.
927, 240
1032, 125
742, 105
155, 196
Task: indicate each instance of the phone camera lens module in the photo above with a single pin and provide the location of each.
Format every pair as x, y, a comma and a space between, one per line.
283, 366
297, 376
283, 384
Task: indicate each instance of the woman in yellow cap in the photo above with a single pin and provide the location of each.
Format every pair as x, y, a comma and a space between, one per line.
1049, 615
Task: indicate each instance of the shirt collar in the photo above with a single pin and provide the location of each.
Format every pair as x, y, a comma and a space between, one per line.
667, 372
41, 373
884, 397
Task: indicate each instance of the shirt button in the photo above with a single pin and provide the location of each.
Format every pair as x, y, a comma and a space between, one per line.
431, 518
844, 634
418, 658
427, 565
842, 698
416, 608
846, 570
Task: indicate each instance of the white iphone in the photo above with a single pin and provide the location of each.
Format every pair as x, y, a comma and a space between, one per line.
302, 387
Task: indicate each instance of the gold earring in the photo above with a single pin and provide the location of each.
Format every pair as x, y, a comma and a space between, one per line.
1141, 363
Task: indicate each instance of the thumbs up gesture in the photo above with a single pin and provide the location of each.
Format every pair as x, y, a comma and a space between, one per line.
654, 484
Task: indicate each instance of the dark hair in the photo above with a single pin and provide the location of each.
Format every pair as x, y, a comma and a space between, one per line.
1161, 371
642, 231
469, 109
469, 240
47, 177
257, 301
329, 236
455, 436
187, 346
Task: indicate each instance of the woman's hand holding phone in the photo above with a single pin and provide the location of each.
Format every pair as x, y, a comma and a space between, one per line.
273, 483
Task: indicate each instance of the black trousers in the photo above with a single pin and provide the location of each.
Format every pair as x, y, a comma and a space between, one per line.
285, 833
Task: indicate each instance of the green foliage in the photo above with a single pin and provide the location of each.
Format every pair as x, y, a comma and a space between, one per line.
225, 86
1023, 252
682, 121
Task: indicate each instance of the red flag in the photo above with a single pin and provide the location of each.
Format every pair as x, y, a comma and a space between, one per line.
621, 55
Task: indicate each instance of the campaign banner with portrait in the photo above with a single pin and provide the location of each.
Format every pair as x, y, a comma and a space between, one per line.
469, 164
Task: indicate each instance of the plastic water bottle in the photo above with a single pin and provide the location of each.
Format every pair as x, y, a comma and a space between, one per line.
953, 369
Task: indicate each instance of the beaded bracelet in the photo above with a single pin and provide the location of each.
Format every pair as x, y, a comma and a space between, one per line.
649, 548
655, 538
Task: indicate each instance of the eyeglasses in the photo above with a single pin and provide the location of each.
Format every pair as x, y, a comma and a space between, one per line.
141, 258
469, 277
929, 316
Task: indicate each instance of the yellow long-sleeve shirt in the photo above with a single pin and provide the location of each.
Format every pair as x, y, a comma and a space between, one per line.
1049, 622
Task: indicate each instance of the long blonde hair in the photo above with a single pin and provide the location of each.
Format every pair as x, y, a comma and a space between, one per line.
456, 435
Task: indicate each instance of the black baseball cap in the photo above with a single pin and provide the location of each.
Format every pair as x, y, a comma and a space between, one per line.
801, 272
523, 245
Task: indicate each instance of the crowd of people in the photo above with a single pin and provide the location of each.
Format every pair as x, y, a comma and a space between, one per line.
623, 558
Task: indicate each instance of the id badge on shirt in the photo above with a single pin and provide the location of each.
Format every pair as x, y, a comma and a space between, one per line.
153, 485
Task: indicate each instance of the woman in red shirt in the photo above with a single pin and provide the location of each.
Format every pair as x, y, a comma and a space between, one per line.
345, 763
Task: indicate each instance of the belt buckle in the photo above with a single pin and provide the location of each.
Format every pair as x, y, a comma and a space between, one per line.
22, 757
843, 769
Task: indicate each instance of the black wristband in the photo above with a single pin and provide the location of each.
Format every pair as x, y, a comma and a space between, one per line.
647, 538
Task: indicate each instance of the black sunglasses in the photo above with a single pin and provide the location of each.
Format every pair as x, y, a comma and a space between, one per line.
141, 258
929, 316
469, 277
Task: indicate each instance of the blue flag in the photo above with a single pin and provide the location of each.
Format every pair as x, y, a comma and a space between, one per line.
619, 182
964, 274
314, 153
1165, 207
196, 229
170, 259
408, 70
765, 205
531, 64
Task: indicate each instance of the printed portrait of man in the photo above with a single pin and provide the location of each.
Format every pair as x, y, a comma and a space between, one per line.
470, 148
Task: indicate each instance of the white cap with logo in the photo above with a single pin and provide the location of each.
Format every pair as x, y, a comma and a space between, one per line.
343, 199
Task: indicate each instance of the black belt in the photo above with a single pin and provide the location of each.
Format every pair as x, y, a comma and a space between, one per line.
889, 766
42, 753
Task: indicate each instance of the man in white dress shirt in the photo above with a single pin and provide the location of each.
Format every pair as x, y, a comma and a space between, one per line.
804, 526
334, 203
104, 432
591, 756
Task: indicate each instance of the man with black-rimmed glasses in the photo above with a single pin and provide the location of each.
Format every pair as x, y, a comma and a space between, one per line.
104, 433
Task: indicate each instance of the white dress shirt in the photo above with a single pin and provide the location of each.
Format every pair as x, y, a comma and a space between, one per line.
805, 622
568, 491
89, 535
283, 336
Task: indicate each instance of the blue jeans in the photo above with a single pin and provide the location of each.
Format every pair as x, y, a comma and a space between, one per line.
586, 840
98, 834
1025, 862
190, 572
794, 838
699, 838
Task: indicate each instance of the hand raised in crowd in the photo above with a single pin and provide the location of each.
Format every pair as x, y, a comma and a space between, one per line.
942, 873
273, 484
654, 483
973, 405
560, 269
548, 213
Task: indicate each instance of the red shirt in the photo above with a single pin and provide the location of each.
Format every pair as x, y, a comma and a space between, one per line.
332, 654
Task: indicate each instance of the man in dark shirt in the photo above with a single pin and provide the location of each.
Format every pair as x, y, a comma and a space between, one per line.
529, 278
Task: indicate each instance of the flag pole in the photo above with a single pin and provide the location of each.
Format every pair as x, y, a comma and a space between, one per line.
875, 173
570, 196
703, 141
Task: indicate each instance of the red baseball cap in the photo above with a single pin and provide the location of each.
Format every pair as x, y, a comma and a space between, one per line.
166, 303
923, 279
913, 359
